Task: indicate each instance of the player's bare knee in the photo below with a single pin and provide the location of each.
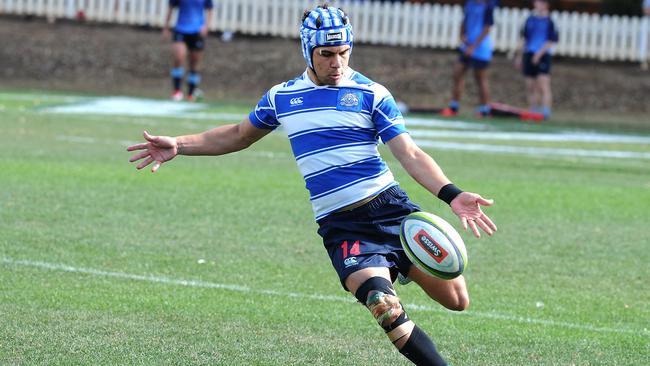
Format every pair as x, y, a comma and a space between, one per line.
459, 302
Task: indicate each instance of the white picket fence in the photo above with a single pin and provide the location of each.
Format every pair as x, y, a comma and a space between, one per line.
403, 24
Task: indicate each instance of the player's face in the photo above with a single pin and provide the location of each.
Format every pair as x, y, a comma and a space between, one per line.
540, 5
330, 63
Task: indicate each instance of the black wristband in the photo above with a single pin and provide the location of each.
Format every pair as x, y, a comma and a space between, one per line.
448, 192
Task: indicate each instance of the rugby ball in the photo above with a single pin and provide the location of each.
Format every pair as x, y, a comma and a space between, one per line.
433, 245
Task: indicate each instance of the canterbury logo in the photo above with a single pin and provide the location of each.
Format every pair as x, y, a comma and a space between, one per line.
296, 101
334, 37
350, 261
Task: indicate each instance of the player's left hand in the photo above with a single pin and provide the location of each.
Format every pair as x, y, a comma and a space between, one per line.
467, 206
469, 51
536, 58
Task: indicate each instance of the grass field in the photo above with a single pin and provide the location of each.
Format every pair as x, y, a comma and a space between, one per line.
217, 260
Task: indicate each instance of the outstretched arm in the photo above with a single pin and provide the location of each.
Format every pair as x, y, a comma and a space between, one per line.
221, 140
217, 141
426, 171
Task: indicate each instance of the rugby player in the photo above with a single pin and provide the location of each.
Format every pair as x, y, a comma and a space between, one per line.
643, 37
475, 53
335, 118
538, 36
192, 25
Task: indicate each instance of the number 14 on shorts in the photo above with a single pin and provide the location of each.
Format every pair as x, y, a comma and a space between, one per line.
353, 250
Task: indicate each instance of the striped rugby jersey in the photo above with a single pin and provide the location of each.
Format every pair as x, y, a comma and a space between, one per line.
334, 132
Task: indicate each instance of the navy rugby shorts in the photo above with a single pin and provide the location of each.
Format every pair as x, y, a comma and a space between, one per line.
368, 236
472, 62
542, 68
193, 41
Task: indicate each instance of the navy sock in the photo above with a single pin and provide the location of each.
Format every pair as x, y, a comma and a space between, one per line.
421, 351
193, 80
177, 77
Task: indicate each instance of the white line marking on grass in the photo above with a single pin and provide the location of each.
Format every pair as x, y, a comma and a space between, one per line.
126, 120
298, 295
92, 140
533, 151
229, 117
591, 137
268, 154
127, 106
77, 139
127, 276
39, 97
453, 124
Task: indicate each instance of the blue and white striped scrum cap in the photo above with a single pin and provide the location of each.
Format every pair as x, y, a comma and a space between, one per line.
324, 27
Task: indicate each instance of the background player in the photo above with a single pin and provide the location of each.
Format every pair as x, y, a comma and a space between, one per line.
334, 118
643, 37
475, 53
539, 35
192, 25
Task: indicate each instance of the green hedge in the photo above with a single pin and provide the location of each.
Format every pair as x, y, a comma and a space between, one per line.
622, 7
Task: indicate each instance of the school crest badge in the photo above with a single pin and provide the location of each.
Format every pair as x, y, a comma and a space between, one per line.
350, 100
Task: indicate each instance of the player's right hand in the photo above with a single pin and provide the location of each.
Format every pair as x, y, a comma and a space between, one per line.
166, 34
158, 149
